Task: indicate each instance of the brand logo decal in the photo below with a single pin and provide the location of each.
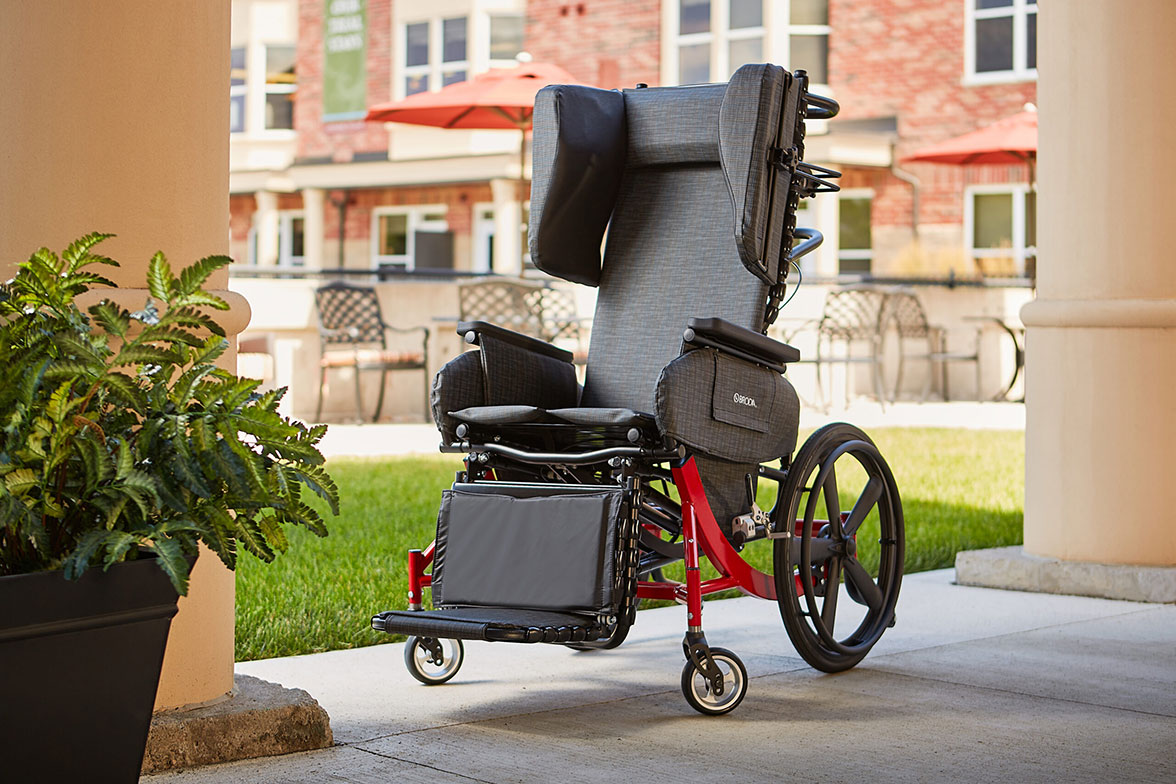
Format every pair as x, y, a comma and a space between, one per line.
744, 400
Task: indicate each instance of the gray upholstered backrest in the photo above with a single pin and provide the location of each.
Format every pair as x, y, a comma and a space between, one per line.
685, 173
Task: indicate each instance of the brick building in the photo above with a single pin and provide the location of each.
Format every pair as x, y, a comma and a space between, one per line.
315, 186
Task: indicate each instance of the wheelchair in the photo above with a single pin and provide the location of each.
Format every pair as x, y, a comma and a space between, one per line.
574, 501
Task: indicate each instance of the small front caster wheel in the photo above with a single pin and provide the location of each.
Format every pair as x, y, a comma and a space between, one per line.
433, 660
697, 689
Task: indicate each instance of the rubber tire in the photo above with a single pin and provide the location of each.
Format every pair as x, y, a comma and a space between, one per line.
805, 639
730, 703
414, 666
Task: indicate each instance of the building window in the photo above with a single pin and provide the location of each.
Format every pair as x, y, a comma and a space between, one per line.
395, 230
712, 38
855, 249
1001, 40
279, 87
1001, 226
237, 75
506, 37
291, 239
436, 54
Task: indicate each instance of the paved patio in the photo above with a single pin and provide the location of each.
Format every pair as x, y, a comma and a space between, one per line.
972, 684
401, 439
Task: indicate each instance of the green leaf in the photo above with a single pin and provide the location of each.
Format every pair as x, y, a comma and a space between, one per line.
77, 255
190, 317
116, 544
193, 276
171, 559
112, 318
79, 560
159, 277
272, 529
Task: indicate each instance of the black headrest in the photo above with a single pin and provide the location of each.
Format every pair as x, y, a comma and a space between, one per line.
578, 160
585, 138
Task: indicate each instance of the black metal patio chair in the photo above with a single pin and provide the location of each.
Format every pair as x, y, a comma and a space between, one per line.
353, 334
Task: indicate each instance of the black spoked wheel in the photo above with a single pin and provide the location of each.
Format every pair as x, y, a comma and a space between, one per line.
433, 660
697, 689
838, 468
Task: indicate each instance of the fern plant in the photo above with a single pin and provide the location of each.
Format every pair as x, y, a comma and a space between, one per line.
119, 435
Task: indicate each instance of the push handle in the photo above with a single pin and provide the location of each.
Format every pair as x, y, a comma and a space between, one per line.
820, 107
811, 240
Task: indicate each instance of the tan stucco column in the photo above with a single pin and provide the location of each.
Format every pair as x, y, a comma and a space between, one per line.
113, 117
265, 225
508, 216
1101, 366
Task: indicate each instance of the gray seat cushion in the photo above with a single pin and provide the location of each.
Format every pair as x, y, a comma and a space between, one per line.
603, 417
499, 415
586, 417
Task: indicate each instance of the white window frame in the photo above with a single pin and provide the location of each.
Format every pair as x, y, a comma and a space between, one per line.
483, 234
240, 90
776, 33
416, 222
286, 219
277, 88
1019, 251
435, 69
255, 90
855, 254
1019, 11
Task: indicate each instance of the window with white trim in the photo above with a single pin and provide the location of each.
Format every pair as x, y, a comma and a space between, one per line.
280, 84
1000, 222
436, 53
291, 238
394, 231
506, 39
712, 38
440, 51
855, 247
1000, 40
237, 89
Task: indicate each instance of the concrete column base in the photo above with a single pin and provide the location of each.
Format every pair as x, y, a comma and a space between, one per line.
258, 719
1012, 568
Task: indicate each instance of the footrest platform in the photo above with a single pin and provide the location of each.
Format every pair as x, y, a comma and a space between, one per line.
492, 624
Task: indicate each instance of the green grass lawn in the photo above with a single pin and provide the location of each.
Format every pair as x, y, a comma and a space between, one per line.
961, 490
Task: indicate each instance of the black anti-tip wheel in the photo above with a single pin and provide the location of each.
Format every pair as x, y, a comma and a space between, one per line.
697, 689
433, 660
863, 545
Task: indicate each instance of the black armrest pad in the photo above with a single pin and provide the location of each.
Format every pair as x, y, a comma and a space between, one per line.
722, 335
527, 342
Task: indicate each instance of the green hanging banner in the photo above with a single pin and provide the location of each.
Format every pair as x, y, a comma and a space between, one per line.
344, 60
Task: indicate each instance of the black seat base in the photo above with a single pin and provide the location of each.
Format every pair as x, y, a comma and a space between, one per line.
493, 624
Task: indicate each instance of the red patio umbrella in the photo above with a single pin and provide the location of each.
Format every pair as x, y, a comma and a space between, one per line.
1008, 141
1011, 140
501, 98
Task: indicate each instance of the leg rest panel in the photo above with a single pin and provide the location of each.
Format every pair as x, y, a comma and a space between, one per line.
492, 624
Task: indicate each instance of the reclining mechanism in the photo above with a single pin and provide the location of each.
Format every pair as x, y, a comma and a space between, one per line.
565, 505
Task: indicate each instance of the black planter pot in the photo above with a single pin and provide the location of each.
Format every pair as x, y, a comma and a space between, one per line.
79, 667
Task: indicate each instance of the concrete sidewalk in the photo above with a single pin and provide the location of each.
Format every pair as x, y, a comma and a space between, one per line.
972, 684
344, 440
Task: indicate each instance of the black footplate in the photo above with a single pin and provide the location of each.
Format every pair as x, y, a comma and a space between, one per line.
492, 624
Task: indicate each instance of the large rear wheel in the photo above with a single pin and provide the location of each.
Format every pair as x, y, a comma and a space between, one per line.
832, 623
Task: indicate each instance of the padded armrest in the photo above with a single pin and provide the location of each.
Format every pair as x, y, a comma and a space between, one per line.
470, 330
740, 342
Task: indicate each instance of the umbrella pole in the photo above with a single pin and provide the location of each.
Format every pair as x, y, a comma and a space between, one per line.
522, 197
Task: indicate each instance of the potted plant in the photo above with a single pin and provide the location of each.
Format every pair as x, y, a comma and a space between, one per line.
122, 446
